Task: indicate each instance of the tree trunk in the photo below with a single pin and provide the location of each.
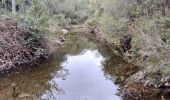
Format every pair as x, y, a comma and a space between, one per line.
14, 6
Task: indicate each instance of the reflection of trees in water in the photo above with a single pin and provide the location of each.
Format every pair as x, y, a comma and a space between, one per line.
62, 73
114, 67
53, 92
76, 45
70, 49
118, 70
36, 80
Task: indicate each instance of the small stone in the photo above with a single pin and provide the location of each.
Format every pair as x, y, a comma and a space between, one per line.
13, 84
163, 80
64, 31
167, 84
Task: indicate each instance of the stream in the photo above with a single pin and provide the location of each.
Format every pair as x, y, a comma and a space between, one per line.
79, 70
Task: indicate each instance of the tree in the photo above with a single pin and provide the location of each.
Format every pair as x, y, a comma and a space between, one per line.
14, 6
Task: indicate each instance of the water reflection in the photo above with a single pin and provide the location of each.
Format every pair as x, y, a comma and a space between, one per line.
86, 80
72, 73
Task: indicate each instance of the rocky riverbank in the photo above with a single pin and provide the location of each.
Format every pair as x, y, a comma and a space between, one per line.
140, 83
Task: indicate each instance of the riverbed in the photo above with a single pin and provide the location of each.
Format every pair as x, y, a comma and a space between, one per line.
80, 70
75, 72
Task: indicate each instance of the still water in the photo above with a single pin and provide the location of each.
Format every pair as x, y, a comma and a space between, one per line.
80, 70
85, 80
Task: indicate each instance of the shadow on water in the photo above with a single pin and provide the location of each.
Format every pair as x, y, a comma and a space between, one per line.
80, 70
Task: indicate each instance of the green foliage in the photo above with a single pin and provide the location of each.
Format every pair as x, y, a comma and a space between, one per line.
37, 15
76, 10
47, 14
109, 18
147, 21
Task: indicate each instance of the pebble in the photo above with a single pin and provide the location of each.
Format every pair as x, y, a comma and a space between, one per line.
167, 84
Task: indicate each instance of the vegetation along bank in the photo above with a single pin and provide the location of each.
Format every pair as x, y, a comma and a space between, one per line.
136, 30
